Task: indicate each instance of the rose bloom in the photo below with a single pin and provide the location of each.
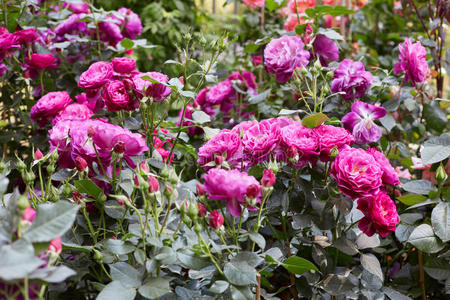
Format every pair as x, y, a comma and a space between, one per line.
302, 5
254, 3
226, 144
403, 173
230, 186
97, 75
413, 62
26, 35
74, 111
329, 136
192, 129
357, 173
256, 60
259, 140
351, 78
47, 107
220, 92
360, 121
246, 78
78, 8
72, 25
380, 214
116, 97
283, 55
109, 32
300, 137
326, 49
133, 24
292, 22
157, 91
41, 61
389, 174
123, 65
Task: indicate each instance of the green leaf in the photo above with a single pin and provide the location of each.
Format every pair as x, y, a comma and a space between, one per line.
364, 241
155, 288
259, 97
116, 291
438, 268
440, 220
219, 287
258, 239
331, 34
388, 122
125, 274
298, 265
411, 199
241, 293
422, 187
118, 247
300, 29
424, 239
248, 257
52, 220
86, 186
53, 274
372, 265
314, 120
274, 4
251, 48
240, 273
127, 43
436, 149
17, 263
200, 117
435, 116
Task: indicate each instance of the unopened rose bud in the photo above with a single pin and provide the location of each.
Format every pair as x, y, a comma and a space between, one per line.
165, 172
215, 220
330, 75
218, 159
80, 164
50, 169
197, 228
292, 153
308, 29
98, 256
143, 167
119, 147
268, 178
2, 166
153, 184
67, 191
173, 177
38, 154
201, 210
23, 203
184, 206
21, 166
55, 246
306, 39
28, 214
29, 178
440, 174
200, 189
253, 191
192, 211
334, 152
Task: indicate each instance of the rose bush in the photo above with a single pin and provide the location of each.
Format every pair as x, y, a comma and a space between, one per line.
300, 151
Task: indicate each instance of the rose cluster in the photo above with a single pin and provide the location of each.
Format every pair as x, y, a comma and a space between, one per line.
280, 139
363, 175
221, 97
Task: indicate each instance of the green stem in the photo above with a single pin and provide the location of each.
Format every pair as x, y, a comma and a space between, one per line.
169, 203
43, 194
91, 229
258, 221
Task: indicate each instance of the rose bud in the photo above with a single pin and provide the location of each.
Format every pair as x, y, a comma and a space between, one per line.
119, 147
38, 154
200, 189
80, 164
268, 178
154, 184
28, 214
91, 132
253, 191
215, 220
308, 29
201, 210
218, 160
55, 246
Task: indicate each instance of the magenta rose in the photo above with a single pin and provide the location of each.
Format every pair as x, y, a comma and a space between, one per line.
47, 107
123, 65
226, 144
158, 91
300, 137
259, 140
283, 55
220, 92
230, 186
413, 61
380, 214
26, 35
109, 32
41, 61
357, 173
97, 75
74, 111
390, 176
116, 97
326, 49
133, 25
329, 136
352, 79
72, 25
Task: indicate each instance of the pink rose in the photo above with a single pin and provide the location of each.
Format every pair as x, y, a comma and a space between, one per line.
260, 139
257, 60
74, 111
123, 64
254, 3
329, 137
158, 91
300, 137
230, 186
49, 106
133, 25
116, 97
26, 35
226, 144
109, 32
28, 214
41, 61
215, 220
220, 92
380, 214
357, 173
96, 75
302, 5
268, 178
389, 174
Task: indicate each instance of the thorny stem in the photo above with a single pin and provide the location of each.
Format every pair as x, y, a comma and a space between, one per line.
421, 275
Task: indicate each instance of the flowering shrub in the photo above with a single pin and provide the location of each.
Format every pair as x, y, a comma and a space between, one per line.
290, 158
